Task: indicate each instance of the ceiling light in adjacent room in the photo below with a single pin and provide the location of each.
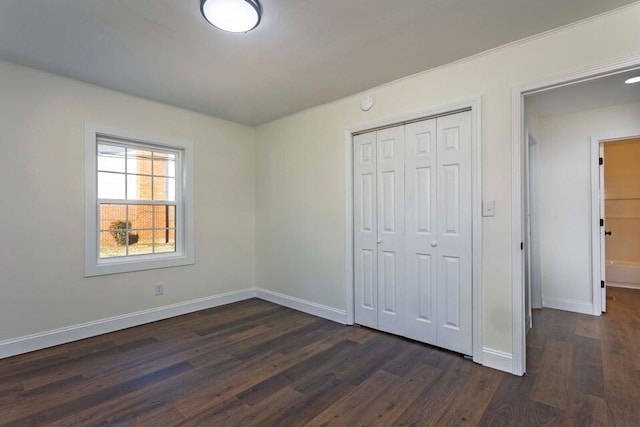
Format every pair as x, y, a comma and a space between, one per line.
635, 79
236, 16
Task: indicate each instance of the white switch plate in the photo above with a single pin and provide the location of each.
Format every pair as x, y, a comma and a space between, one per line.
489, 208
158, 289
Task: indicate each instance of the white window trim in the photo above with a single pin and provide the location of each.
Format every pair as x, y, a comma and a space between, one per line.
184, 246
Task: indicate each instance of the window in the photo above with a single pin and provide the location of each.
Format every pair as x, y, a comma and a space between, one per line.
139, 209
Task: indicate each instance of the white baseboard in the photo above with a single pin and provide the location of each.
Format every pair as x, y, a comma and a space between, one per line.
497, 359
305, 306
67, 334
568, 305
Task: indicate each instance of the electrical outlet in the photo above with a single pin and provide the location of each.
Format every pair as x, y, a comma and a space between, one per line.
159, 289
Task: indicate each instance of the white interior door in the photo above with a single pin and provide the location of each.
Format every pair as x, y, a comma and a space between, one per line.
420, 232
603, 247
390, 183
365, 230
453, 242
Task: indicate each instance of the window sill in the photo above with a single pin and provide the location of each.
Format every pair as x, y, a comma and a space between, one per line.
114, 266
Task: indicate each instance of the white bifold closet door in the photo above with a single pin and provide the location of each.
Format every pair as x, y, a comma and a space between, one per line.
379, 227
412, 214
438, 232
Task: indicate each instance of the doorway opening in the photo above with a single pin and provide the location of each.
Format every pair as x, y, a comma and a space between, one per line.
617, 239
555, 210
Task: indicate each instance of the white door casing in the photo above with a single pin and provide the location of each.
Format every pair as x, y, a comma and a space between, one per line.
603, 247
365, 229
390, 183
536, 286
454, 240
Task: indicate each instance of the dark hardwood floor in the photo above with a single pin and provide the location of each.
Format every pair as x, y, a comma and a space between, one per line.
255, 363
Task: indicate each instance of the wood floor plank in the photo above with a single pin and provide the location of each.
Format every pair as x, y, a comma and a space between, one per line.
321, 363
147, 399
255, 363
539, 414
377, 403
372, 398
433, 401
588, 375
320, 391
588, 326
222, 414
553, 382
508, 405
470, 404
277, 406
236, 381
621, 388
62, 410
589, 410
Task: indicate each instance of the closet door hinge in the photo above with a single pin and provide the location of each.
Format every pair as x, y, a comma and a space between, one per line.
601, 161
601, 222
521, 246
602, 283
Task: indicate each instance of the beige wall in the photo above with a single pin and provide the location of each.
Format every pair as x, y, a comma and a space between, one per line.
622, 199
300, 182
295, 177
565, 196
41, 170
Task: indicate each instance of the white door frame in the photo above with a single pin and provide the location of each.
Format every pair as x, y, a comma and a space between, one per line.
596, 230
475, 104
534, 229
518, 141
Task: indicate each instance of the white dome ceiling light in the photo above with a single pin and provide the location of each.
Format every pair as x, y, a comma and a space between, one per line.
633, 80
235, 16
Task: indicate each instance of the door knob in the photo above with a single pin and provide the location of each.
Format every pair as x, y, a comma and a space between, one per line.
379, 241
434, 243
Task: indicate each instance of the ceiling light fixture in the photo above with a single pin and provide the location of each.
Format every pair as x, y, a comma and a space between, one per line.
635, 79
235, 16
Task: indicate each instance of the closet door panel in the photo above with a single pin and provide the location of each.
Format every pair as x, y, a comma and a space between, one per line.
454, 245
421, 227
365, 230
390, 179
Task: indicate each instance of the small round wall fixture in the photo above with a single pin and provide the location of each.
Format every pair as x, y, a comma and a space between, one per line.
235, 16
366, 103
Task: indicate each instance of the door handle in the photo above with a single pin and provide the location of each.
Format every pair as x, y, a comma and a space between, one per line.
379, 241
607, 233
434, 243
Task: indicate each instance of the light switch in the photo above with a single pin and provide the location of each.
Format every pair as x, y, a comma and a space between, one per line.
489, 208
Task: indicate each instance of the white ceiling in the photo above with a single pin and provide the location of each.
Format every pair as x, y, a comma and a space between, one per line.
304, 53
598, 93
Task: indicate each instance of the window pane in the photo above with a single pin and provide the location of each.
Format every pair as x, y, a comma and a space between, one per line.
165, 240
140, 242
111, 158
164, 164
141, 216
164, 189
165, 216
138, 187
116, 225
138, 161
108, 246
110, 185
112, 216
